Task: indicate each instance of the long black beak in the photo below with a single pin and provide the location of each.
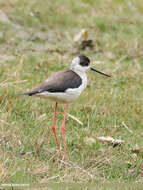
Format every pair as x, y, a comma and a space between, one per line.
99, 72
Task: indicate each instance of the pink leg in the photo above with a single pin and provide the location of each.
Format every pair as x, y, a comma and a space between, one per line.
54, 131
63, 130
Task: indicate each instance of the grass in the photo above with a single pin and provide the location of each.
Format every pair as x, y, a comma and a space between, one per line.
37, 41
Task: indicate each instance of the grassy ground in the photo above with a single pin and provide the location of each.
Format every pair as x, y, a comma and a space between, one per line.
36, 39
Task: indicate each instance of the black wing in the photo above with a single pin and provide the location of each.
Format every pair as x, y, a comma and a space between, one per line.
59, 82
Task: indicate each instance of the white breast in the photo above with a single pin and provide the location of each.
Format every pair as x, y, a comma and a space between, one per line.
75, 92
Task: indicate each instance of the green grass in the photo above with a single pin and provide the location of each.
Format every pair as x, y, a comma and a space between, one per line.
38, 41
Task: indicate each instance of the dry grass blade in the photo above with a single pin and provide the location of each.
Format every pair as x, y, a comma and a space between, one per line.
78, 36
53, 177
1, 170
42, 117
76, 119
4, 122
123, 123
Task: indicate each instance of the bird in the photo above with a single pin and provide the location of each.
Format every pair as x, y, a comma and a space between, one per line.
65, 87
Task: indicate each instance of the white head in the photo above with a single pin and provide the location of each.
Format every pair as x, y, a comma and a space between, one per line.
80, 64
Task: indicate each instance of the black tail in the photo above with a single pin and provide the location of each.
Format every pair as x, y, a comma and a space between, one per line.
29, 93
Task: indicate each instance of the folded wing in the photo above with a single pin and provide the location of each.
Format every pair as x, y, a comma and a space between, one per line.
59, 82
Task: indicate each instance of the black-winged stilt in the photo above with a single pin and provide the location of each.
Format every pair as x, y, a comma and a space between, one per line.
64, 87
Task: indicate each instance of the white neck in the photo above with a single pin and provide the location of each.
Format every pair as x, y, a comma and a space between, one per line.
83, 77
79, 72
